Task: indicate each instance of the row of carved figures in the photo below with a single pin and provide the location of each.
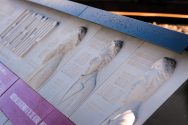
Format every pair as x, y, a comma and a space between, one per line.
83, 87
154, 78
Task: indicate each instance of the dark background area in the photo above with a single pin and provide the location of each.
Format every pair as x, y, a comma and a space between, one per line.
162, 6
174, 111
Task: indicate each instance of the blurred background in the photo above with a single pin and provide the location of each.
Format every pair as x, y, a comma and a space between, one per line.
171, 14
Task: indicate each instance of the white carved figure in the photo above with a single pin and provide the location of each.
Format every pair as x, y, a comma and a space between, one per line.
80, 91
52, 60
141, 90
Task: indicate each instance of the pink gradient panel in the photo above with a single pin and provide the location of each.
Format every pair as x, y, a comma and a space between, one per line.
56, 118
23, 106
7, 78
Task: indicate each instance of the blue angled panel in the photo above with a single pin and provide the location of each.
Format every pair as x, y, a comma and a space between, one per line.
163, 37
172, 40
69, 7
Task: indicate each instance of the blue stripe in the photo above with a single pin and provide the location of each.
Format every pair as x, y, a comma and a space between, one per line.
69, 7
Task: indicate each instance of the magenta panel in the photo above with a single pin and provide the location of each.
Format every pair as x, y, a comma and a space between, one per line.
56, 118
7, 78
23, 106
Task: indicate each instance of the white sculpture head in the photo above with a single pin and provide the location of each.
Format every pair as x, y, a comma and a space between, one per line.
165, 64
117, 45
81, 33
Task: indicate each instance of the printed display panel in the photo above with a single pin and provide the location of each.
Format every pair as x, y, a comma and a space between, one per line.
65, 68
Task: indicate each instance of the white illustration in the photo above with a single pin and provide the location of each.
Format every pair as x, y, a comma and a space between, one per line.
80, 91
52, 60
152, 80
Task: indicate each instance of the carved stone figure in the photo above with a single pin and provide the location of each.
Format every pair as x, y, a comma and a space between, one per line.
52, 61
80, 91
145, 87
